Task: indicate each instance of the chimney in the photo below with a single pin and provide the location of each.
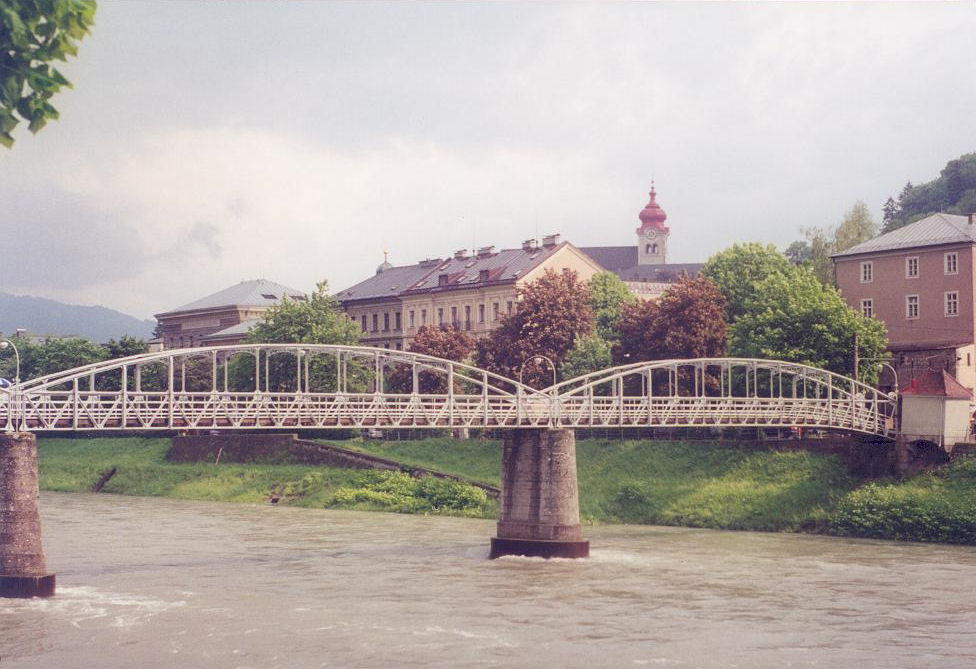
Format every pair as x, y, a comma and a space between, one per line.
550, 240
972, 218
460, 254
485, 251
529, 245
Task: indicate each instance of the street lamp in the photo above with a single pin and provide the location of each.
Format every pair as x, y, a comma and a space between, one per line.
4, 344
883, 362
537, 359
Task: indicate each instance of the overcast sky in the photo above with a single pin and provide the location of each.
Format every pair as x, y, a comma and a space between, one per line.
207, 143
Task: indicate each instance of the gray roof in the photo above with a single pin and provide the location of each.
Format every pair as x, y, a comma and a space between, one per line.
612, 258
504, 266
933, 230
239, 330
254, 293
622, 261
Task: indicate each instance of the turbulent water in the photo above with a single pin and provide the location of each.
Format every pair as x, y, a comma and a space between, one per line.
162, 583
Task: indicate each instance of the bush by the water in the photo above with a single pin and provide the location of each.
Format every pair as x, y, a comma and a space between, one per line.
937, 506
397, 491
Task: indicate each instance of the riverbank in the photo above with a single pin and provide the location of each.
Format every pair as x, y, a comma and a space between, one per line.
694, 484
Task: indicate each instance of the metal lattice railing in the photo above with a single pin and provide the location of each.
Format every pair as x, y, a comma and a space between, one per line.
299, 386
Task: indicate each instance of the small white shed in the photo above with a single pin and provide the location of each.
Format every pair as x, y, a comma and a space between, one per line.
937, 408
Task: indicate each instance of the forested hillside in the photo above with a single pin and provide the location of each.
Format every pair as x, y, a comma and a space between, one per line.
953, 192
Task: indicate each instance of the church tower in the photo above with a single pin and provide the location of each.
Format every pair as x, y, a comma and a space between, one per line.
652, 235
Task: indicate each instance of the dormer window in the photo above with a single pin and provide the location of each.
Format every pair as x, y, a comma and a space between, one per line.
268, 296
483, 275
442, 279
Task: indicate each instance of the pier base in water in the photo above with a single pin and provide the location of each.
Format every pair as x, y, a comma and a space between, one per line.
23, 570
540, 499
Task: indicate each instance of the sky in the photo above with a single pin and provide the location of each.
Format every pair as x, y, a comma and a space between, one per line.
208, 143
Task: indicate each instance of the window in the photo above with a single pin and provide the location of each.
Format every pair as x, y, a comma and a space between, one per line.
376, 322
454, 318
911, 267
410, 319
911, 306
508, 306
867, 272
423, 317
467, 317
481, 313
952, 263
952, 303
494, 311
386, 322
397, 322
440, 316
867, 307
364, 322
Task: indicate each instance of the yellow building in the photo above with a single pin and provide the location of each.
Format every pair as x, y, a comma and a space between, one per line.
472, 291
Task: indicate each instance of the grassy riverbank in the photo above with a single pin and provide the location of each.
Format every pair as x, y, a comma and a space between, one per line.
673, 483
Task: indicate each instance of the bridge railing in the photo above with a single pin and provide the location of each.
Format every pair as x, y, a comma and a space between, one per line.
308, 386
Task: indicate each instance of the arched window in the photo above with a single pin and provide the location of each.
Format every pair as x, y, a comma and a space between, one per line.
653, 248
647, 249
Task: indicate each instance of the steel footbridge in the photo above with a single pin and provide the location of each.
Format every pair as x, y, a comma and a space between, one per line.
305, 386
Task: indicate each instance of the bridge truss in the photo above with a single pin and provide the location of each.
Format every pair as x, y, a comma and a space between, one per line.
305, 386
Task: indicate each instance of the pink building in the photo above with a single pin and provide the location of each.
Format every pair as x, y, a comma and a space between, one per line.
919, 280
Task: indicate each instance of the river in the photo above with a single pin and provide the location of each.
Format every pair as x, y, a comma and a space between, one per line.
165, 583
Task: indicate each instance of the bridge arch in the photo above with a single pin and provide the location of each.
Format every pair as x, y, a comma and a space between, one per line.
303, 386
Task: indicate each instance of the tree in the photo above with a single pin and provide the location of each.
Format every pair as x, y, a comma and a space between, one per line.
858, 226
737, 270
125, 347
448, 343
553, 310
58, 355
795, 317
318, 319
688, 321
798, 252
891, 212
590, 353
608, 294
33, 34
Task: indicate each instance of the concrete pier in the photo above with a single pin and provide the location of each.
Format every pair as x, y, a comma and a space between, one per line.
540, 499
23, 570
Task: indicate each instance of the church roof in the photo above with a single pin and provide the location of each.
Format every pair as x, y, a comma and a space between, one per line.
254, 293
930, 231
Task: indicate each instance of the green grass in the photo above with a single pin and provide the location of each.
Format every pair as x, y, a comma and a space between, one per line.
75, 465
933, 506
695, 484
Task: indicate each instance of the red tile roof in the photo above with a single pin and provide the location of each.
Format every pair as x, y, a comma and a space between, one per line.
938, 384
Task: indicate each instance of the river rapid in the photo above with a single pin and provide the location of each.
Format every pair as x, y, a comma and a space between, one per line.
165, 583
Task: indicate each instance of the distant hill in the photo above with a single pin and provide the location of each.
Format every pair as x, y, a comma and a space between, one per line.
42, 316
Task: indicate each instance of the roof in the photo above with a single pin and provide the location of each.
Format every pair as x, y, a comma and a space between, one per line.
937, 384
933, 230
234, 331
505, 266
254, 293
612, 258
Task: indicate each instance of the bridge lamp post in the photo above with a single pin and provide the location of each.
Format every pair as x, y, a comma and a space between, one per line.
4, 345
883, 362
537, 359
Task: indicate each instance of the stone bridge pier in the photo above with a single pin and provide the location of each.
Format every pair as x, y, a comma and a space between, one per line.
23, 571
540, 498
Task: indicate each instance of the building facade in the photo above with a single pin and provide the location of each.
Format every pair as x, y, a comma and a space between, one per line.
919, 280
472, 292
224, 317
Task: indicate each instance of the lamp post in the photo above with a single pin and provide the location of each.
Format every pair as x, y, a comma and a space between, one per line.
537, 359
883, 362
4, 344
